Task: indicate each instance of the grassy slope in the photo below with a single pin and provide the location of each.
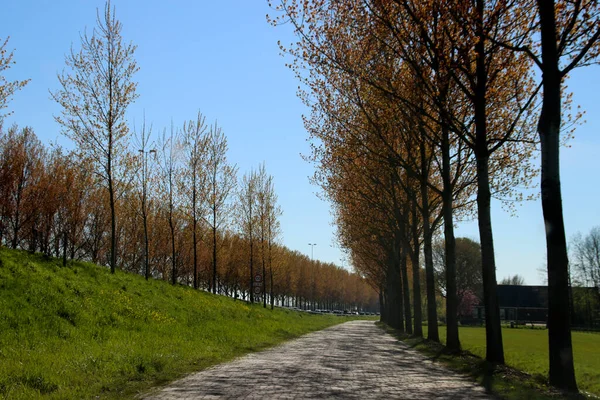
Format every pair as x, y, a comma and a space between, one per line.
78, 332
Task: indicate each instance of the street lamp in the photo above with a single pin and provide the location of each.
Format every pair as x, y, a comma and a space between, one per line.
312, 247
312, 272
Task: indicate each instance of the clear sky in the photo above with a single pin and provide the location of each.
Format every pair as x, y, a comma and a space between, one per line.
221, 57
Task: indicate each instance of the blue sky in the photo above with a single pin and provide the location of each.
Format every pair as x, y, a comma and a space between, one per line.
221, 57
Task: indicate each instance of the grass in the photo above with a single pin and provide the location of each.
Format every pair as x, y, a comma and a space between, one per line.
80, 332
527, 350
526, 356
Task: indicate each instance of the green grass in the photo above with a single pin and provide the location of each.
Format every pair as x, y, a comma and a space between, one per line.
502, 381
80, 332
526, 355
527, 350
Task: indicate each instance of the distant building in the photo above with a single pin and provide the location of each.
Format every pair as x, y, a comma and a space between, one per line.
529, 304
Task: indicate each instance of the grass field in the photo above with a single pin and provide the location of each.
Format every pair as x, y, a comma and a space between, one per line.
80, 332
527, 350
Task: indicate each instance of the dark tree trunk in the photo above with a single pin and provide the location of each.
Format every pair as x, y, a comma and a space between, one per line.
214, 266
251, 271
271, 269
173, 260
65, 243
405, 290
452, 338
113, 226
562, 372
271, 286
146, 243
194, 233
493, 331
432, 324
494, 347
56, 246
17, 224
264, 274
2, 227
382, 310
393, 301
418, 317
33, 239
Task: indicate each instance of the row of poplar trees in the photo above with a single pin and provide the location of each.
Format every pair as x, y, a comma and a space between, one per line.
420, 112
166, 206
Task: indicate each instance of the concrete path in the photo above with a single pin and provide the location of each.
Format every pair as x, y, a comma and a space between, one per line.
355, 360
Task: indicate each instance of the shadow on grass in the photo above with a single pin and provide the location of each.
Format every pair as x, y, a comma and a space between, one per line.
499, 380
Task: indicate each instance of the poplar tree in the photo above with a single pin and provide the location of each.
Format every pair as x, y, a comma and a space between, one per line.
195, 139
94, 94
220, 183
247, 218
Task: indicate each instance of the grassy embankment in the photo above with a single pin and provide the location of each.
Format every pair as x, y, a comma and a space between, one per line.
526, 355
80, 332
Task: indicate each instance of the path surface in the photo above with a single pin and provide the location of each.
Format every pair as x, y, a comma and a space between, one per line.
355, 360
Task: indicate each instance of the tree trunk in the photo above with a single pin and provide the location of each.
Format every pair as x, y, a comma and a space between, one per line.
56, 246
33, 240
432, 324
418, 317
405, 291
146, 243
393, 301
214, 274
113, 226
493, 331
271, 286
251, 271
264, 274
72, 248
2, 226
452, 338
17, 223
271, 267
194, 233
65, 243
562, 372
173, 260
382, 310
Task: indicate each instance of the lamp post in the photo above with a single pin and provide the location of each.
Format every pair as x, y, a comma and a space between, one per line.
144, 208
312, 247
312, 272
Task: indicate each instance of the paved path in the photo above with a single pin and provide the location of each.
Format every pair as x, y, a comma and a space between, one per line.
355, 360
